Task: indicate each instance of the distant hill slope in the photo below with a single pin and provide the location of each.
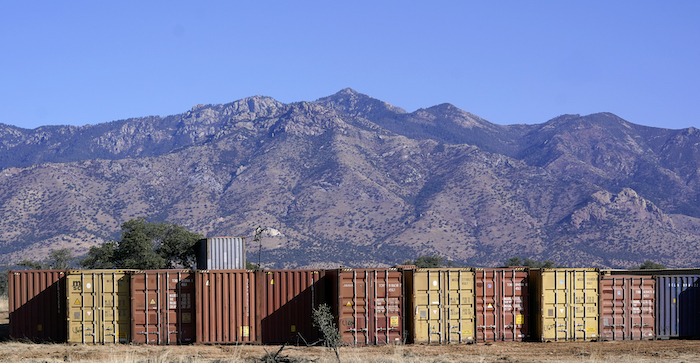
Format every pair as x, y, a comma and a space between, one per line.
350, 180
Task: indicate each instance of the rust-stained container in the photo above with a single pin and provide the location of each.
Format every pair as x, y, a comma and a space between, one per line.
502, 301
368, 305
627, 307
162, 307
221, 253
37, 303
225, 303
98, 306
287, 299
564, 304
440, 306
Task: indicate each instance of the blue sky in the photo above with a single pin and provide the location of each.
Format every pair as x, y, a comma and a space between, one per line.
509, 62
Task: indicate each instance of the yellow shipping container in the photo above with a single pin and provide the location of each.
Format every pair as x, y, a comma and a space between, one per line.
565, 304
98, 306
441, 303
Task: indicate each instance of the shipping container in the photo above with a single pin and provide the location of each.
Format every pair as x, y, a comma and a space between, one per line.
440, 306
221, 253
98, 306
627, 307
677, 306
502, 304
162, 307
564, 304
225, 303
36, 300
287, 299
368, 305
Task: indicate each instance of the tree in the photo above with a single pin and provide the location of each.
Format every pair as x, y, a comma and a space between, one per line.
61, 259
427, 261
518, 261
650, 265
145, 245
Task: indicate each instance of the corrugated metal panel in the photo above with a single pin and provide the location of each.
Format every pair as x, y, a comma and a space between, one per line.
162, 307
98, 306
441, 306
678, 306
627, 307
502, 304
37, 305
565, 304
226, 307
287, 299
369, 305
221, 253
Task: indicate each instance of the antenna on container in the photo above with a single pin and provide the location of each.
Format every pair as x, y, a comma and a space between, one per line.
257, 238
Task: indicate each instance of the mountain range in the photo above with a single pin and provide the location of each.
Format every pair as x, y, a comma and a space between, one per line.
349, 180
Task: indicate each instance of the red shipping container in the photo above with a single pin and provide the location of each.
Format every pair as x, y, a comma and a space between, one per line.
502, 304
627, 307
369, 305
287, 299
162, 307
36, 301
226, 307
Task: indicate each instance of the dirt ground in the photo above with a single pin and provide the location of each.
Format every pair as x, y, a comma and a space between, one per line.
618, 352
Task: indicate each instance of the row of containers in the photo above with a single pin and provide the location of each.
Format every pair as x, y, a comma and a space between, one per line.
370, 306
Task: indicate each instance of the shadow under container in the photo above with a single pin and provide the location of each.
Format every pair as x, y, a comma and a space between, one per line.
440, 305
564, 304
98, 306
162, 307
286, 300
37, 301
627, 307
225, 303
368, 305
502, 302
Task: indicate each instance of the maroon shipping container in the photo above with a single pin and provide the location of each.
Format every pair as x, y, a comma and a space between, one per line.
502, 304
287, 299
369, 305
162, 307
37, 305
225, 307
627, 307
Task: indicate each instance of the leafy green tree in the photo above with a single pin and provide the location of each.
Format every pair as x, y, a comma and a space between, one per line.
61, 259
145, 245
650, 265
518, 261
428, 261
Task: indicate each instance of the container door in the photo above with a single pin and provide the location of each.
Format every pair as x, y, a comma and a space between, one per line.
178, 309
459, 306
352, 306
555, 306
487, 308
584, 305
83, 307
514, 294
145, 313
643, 305
388, 296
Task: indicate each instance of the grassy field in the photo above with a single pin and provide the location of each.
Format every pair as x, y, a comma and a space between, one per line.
613, 352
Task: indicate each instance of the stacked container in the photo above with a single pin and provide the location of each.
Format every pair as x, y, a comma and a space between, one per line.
287, 299
627, 307
98, 306
564, 304
502, 304
368, 305
225, 302
221, 253
440, 307
162, 307
37, 305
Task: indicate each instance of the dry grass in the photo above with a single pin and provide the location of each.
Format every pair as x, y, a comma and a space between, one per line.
617, 352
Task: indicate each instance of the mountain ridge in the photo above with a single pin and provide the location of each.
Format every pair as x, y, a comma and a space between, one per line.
351, 180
